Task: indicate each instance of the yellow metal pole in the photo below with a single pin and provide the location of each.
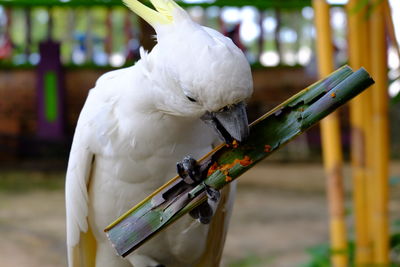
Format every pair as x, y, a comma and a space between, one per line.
380, 132
358, 106
331, 144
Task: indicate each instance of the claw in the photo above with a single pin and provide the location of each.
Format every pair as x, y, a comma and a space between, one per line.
205, 211
213, 194
194, 213
188, 169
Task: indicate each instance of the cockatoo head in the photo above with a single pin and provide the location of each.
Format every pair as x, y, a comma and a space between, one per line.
198, 71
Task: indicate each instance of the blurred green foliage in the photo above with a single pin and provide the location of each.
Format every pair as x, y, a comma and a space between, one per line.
320, 254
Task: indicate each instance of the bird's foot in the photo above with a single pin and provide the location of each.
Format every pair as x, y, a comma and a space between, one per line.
191, 172
205, 211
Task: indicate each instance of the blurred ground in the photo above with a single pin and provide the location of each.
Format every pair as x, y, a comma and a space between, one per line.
280, 211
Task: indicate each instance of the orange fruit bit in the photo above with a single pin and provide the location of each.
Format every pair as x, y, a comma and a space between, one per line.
246, 161
267, 148
333, 94
212, 169
228, 178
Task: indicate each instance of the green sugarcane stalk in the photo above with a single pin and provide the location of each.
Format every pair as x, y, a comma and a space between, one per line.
267, 134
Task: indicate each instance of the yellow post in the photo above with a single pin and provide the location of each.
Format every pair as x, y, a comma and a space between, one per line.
359, 111
365, 61
332, 150
380, 132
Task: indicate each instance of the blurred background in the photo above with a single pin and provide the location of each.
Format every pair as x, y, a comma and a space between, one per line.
52, 52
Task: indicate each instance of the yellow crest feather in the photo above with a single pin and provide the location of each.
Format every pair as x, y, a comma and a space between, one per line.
163, 15
165, 7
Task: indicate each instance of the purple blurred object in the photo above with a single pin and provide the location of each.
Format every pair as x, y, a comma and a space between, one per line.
50, 93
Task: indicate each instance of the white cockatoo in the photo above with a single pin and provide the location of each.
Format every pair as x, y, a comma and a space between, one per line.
138, 122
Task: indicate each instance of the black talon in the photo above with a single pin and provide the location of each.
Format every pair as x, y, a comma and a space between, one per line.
189, 170
194, 213
180, 170
212, 193
205, 212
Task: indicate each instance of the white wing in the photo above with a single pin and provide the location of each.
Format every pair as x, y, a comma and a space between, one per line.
92, 131
76, 194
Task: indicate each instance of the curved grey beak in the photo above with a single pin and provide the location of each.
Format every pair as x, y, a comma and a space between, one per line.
231, 123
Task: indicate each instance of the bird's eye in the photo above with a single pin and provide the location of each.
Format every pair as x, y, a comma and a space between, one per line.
191, 99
